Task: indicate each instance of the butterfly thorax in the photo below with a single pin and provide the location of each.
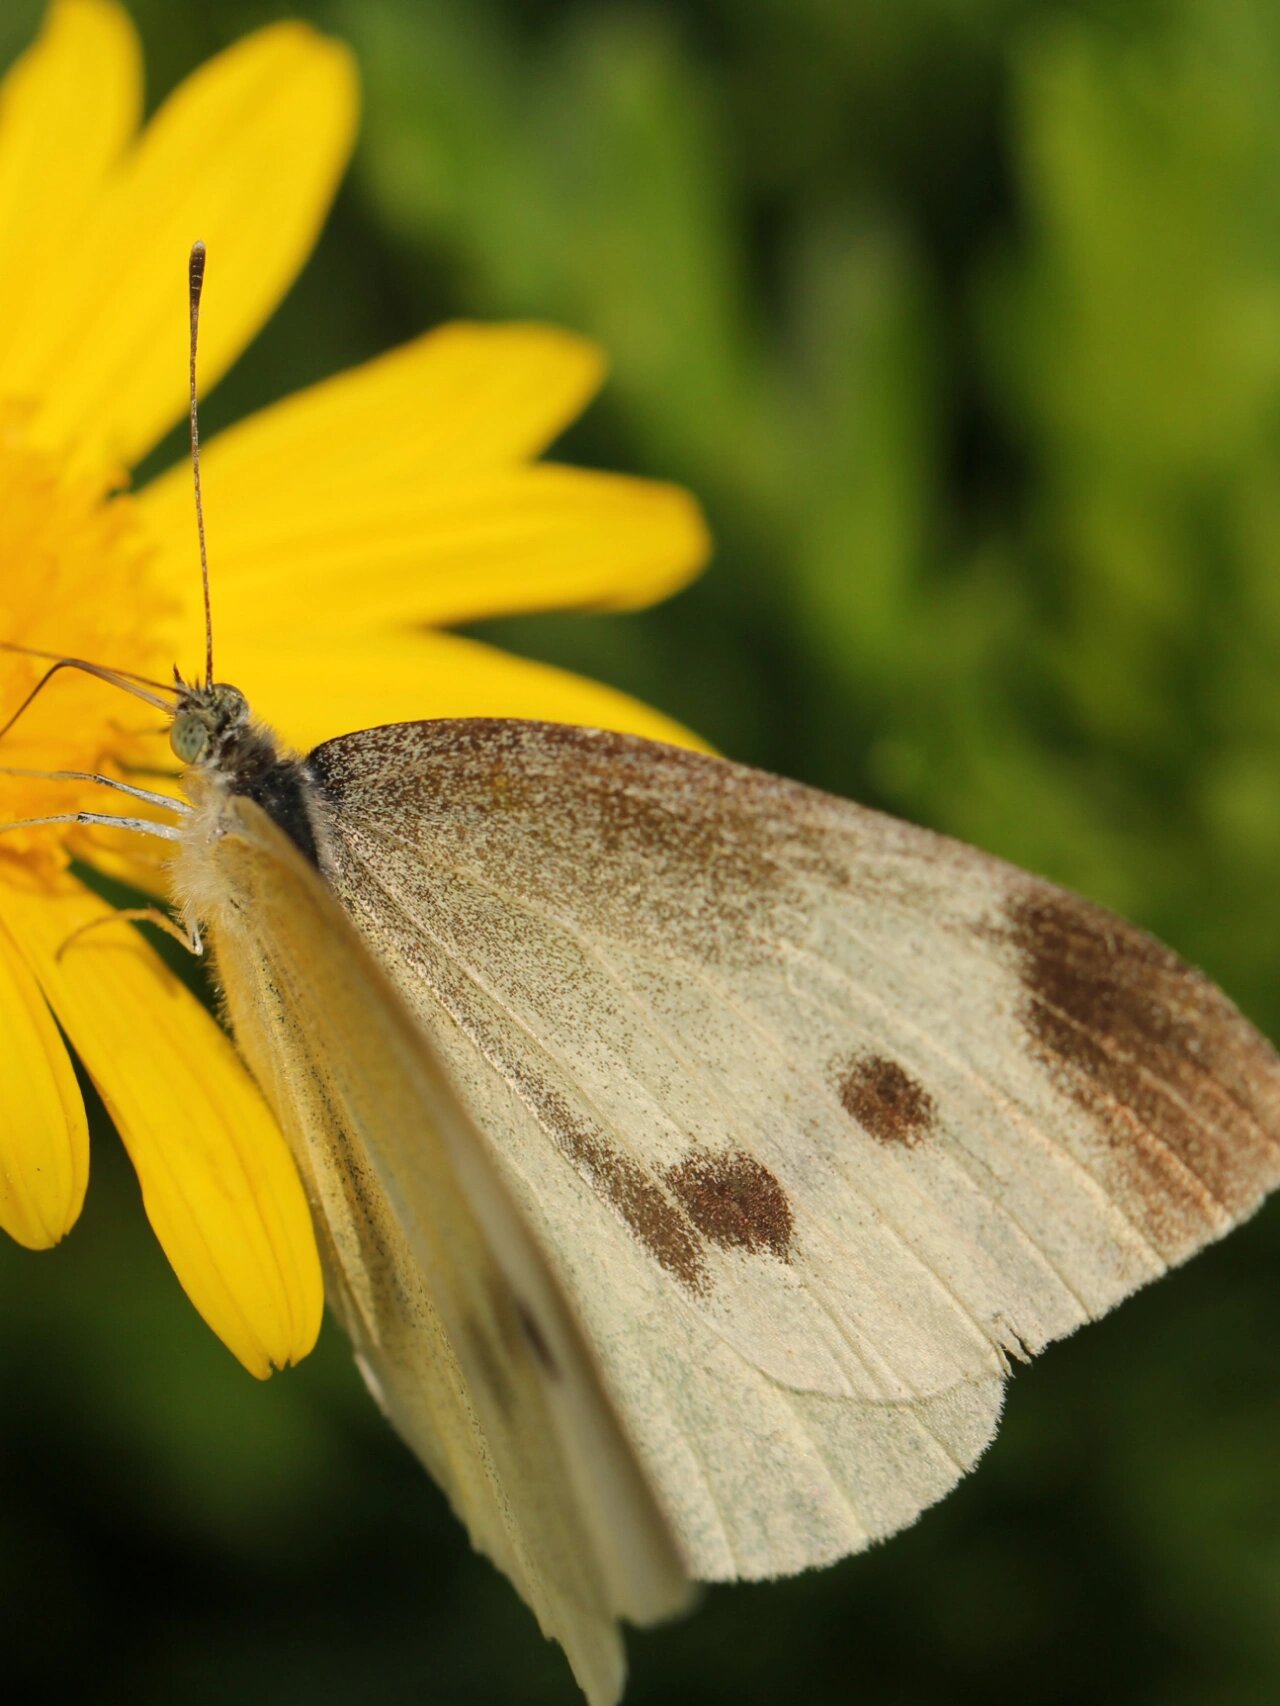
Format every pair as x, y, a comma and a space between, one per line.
228, 752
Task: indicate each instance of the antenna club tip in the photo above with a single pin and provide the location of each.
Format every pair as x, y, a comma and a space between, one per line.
195, 271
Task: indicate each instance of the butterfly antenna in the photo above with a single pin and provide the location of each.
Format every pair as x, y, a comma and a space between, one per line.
195, 284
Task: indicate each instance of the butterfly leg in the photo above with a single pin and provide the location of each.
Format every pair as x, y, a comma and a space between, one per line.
190, 938
141, 825
166, 801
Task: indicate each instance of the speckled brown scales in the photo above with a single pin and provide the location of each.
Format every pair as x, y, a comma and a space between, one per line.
820, 1119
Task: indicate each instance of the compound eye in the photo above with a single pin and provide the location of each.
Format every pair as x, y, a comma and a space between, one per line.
233, 707
188, 737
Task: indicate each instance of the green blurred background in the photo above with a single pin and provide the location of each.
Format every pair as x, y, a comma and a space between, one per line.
963, 318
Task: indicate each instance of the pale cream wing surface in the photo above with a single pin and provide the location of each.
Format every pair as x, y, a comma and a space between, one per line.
824, 1117
461, 1329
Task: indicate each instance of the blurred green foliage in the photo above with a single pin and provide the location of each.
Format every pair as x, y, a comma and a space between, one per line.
963, 317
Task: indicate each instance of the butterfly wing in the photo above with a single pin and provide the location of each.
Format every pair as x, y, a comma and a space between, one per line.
824, 1117
460, 1329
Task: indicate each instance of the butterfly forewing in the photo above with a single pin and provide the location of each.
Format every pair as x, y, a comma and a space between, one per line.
823, 1117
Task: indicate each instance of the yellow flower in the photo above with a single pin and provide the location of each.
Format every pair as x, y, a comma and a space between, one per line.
341, 521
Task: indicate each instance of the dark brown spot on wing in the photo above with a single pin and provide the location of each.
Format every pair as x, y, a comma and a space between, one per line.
657, 1221
731, 1200
734, 1201
1183, 1087
887, 1101
536, 1341
481, 1356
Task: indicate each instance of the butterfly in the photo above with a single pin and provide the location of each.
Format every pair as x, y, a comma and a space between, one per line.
692, 1153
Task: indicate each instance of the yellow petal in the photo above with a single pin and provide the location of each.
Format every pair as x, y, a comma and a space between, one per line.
44, 1138
218, 1182
459, 400
67, 109
246, 155
396, 492
522, 539
310, 691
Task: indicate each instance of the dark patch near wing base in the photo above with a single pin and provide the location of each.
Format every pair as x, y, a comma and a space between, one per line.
1185, 1089
698, 850
734, 1201
887, 1101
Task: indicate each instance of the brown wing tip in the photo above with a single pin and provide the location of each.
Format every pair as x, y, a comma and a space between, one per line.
1184, 1090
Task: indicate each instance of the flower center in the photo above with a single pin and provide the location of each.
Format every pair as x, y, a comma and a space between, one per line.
75, 580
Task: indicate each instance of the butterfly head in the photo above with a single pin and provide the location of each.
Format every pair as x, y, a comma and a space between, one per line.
207, 721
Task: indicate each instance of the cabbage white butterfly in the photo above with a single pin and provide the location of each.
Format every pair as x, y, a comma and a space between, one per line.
692, 1153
